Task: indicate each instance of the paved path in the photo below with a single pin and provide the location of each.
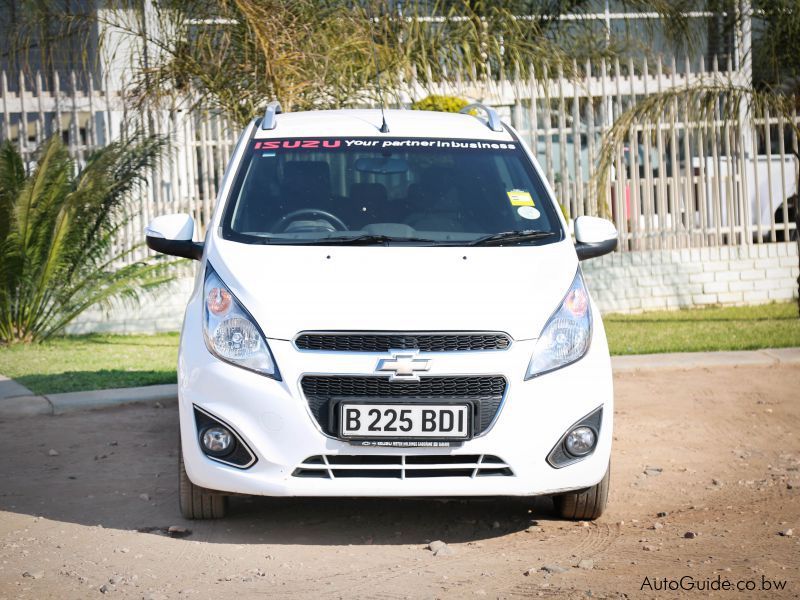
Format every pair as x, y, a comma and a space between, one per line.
696, 360
11, 389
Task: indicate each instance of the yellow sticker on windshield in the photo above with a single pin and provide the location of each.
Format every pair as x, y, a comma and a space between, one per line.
520, 198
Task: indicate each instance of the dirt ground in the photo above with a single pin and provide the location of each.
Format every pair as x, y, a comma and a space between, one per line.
716, 452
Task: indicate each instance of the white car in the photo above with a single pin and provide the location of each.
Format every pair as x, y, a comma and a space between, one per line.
390, 305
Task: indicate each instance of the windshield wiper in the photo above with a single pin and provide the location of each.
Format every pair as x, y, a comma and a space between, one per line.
511, 237
365, 240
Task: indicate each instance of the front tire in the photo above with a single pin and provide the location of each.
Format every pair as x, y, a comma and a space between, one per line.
196, 502
584, 505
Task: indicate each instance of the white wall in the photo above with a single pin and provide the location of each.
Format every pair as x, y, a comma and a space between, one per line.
620, 282
670, 279
157, 312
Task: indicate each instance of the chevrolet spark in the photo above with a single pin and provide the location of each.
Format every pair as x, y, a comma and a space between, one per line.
390, 305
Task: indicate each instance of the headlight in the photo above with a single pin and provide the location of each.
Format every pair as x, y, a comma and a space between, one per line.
230, 332
567, 335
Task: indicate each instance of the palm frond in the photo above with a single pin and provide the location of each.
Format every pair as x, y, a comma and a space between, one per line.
57, 258
12, 177
711, 98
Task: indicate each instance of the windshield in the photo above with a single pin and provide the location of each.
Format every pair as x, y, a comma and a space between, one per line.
385, 191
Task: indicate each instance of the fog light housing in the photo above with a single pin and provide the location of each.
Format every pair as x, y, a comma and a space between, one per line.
580, 441
218, 441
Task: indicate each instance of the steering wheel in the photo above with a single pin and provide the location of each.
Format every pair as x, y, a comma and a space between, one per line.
280, 225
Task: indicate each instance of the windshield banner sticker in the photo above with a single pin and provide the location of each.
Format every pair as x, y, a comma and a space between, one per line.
372, 143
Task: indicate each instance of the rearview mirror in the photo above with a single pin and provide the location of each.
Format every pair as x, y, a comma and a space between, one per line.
381, 165
594, 237
172, 234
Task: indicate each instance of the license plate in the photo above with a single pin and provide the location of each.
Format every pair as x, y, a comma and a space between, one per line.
400, 421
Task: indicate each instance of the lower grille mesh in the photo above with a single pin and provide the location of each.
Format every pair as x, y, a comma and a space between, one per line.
402, 466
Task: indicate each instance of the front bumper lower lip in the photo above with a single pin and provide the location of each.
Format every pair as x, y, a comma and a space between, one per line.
402, 466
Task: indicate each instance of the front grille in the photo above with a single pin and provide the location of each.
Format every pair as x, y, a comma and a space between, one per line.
402, 466
483, 392
383, 342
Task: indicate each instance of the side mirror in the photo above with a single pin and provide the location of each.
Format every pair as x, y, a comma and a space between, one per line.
594, 237
172, 234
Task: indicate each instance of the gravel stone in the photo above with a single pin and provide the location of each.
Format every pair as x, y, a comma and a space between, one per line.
145, 497
439, 548
52, 452
553, 569
690, 535
178, 531
33, 574
586, 563
787, 533
533, 530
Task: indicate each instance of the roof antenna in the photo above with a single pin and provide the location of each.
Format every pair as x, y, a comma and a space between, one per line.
384, 127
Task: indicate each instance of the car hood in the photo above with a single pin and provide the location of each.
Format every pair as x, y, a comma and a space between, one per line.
289, 289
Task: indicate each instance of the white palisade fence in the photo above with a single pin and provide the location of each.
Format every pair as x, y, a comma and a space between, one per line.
675, 184
186, 180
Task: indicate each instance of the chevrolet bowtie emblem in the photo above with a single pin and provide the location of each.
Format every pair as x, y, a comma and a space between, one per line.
404, 367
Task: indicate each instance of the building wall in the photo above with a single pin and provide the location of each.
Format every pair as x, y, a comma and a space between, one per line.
158, 312
619, 282
671, 279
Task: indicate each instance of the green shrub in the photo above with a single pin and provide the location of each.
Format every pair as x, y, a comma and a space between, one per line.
440, 103
57, 231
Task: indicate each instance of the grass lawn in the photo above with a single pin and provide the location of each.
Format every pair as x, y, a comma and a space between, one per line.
701, 329
92, 362
107, 361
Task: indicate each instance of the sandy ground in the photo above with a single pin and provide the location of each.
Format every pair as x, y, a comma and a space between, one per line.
89, 521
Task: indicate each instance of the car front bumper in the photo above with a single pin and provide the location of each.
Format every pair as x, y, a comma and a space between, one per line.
275, 421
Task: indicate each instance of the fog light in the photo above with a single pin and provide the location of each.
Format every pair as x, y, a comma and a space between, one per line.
218, 441
580, 441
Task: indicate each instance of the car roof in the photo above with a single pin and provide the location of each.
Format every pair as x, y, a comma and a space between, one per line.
367, 122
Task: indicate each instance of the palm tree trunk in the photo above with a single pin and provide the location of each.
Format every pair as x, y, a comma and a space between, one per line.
797, 237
